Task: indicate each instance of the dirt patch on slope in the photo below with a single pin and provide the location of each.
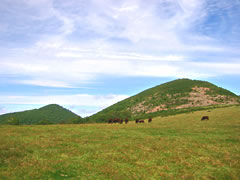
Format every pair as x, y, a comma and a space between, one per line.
199, 97
157, 108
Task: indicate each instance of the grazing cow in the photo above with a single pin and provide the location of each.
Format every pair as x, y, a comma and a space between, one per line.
141, 121
150, 120
137, 120
126, 120
110, 121
116, 120
205, 118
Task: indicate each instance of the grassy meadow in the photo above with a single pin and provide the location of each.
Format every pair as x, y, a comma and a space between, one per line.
174, 147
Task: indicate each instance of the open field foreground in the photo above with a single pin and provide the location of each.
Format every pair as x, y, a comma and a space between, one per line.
176, 147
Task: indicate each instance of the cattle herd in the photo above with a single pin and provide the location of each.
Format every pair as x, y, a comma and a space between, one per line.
120, 121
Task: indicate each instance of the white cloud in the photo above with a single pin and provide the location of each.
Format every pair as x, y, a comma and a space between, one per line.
46, 83
107, 55
219, 68
68, 67
99, 101
68, 24
3, 110
116, 38
84, 111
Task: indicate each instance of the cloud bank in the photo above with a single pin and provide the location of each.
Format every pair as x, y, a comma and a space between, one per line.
70, 43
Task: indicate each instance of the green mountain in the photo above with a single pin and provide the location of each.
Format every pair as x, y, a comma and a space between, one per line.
50, 114
182, 95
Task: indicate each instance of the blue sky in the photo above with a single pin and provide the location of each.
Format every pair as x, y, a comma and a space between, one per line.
88, 54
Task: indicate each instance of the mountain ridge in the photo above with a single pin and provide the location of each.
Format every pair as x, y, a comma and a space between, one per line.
177, 96
172, 97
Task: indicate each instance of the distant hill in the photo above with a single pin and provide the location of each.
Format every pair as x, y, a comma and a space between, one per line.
50, 114
182, 95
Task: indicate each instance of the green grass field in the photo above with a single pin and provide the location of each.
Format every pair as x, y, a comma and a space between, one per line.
174, 147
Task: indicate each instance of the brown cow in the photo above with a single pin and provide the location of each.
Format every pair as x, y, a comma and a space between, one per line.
110, 121
116, 120
150, 120
141, 121
205, 118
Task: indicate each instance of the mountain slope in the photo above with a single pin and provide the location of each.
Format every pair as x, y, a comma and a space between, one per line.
50, 114
169, 98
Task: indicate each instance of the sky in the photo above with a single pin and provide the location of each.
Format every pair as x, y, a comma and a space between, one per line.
86, 55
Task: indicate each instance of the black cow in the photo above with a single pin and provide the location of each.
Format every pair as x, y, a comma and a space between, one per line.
137, 120
141, 121
126, 120
205, 118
